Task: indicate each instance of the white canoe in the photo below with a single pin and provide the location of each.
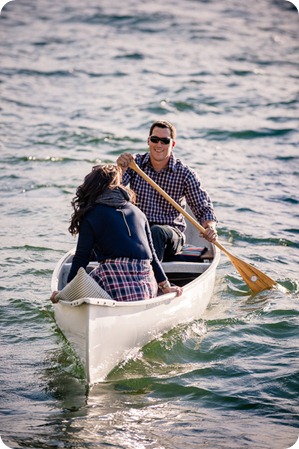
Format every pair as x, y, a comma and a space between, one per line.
103, 332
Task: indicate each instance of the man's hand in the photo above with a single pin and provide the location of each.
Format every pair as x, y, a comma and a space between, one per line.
124, 161
211, 232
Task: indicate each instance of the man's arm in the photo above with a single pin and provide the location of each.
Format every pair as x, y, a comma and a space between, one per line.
201, 205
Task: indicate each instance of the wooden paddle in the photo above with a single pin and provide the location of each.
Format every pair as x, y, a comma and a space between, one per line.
254, 278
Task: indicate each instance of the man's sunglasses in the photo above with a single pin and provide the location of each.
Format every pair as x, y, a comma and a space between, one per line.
163, 140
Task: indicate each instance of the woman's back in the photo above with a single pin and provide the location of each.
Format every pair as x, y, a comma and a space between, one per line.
118, 231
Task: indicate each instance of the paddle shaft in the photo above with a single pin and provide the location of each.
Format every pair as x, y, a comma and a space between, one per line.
254, 278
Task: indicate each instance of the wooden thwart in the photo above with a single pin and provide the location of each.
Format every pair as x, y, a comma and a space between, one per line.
256, 280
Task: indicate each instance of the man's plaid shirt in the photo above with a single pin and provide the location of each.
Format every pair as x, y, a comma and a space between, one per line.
180, 182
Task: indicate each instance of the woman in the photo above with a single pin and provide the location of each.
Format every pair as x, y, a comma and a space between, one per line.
111, 226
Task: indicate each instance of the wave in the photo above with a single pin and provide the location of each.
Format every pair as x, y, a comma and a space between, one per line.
37, 73
246, 134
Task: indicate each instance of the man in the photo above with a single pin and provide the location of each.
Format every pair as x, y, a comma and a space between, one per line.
178, 180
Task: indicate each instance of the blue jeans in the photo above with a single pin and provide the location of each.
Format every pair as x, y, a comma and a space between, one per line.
167, 241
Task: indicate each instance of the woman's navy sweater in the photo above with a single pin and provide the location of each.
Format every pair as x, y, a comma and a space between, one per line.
115, 232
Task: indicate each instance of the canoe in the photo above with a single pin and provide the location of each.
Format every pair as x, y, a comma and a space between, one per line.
104, 332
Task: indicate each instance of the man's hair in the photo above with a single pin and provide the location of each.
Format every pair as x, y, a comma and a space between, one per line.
164, 124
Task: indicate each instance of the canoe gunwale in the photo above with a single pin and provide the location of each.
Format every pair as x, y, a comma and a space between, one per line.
170, 267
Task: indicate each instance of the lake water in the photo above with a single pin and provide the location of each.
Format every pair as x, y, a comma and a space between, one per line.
80, 83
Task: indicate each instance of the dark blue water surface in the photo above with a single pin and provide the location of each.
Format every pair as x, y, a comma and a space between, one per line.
80, 83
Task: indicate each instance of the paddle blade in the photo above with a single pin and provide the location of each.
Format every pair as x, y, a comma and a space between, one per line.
256, 280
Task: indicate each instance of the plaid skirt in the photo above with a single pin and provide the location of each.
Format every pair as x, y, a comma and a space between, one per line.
126, 279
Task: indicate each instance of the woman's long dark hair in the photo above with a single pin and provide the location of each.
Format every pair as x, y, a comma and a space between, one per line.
99, 179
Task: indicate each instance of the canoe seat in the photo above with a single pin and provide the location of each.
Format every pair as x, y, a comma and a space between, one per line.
185, 267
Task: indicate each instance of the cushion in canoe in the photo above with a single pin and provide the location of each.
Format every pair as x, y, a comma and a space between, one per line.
82, 286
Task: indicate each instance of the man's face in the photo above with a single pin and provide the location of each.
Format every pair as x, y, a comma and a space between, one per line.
160, 151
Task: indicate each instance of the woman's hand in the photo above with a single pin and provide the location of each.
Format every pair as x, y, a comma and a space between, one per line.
53, 297
173, 289
167, 288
